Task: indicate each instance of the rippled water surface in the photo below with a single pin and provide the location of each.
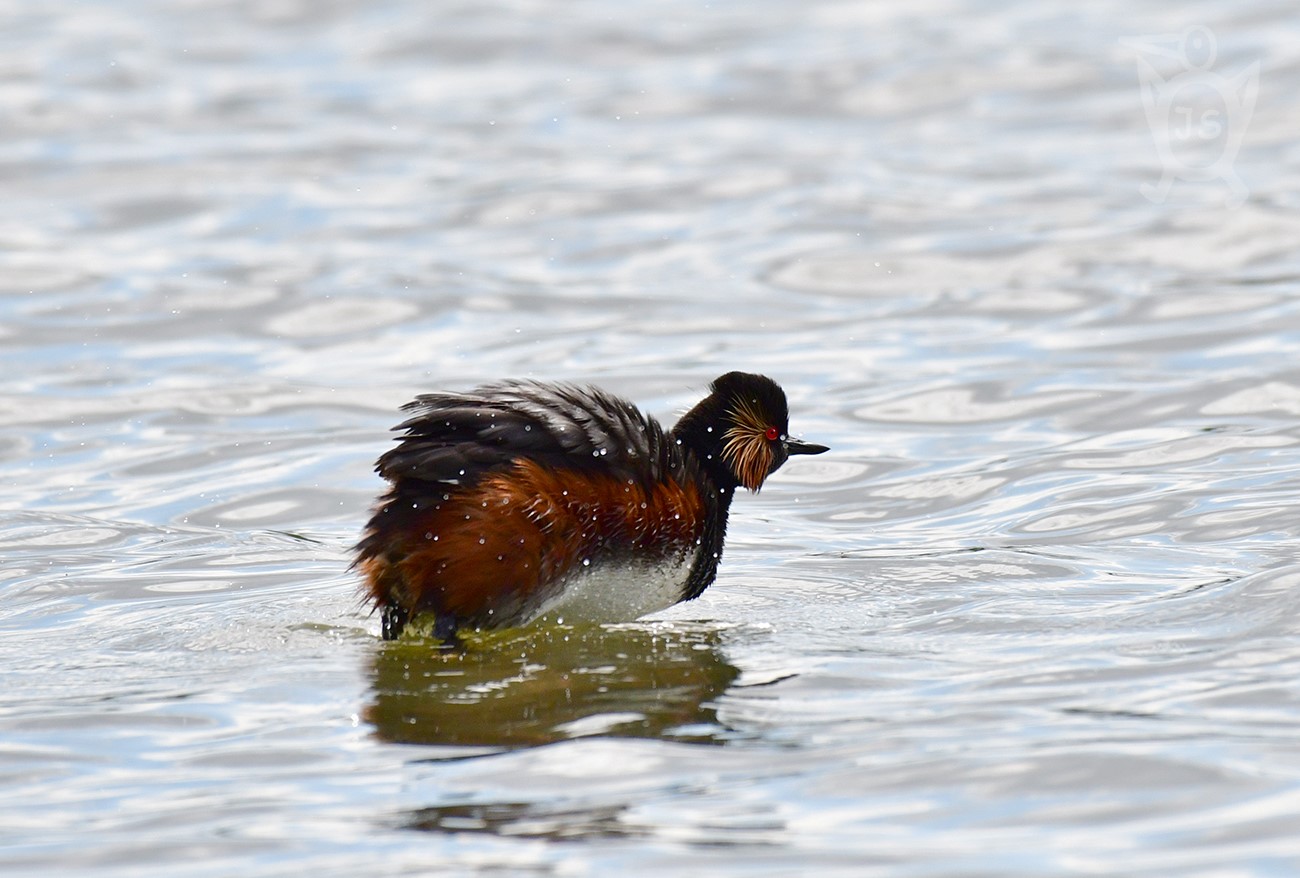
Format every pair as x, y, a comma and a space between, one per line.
1036, 613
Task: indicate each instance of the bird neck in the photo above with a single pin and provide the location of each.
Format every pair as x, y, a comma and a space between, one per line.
702, 446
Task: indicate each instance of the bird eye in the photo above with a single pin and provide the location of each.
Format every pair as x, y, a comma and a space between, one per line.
772, 434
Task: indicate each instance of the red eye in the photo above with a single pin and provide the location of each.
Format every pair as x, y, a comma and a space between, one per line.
772, 434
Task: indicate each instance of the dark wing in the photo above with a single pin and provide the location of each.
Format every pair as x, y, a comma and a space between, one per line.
455, 438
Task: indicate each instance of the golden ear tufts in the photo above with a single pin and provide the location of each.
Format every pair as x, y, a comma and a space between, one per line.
747, 450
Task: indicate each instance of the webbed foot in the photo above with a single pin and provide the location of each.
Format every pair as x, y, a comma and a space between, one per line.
444, 628
392, 619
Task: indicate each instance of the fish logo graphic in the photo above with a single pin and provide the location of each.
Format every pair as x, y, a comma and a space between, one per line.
1198, 117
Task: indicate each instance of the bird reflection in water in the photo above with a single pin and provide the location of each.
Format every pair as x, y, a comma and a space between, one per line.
532, 686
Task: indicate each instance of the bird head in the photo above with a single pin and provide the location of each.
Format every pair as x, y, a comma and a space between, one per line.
742, 428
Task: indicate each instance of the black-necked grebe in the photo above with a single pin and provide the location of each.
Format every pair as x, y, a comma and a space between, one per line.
521, 499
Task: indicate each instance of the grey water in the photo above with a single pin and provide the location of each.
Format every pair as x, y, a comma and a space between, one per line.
1032, 270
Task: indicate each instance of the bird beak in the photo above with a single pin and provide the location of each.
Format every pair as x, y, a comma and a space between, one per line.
794, 446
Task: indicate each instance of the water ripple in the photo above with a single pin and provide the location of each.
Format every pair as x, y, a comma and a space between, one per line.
1035, 613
